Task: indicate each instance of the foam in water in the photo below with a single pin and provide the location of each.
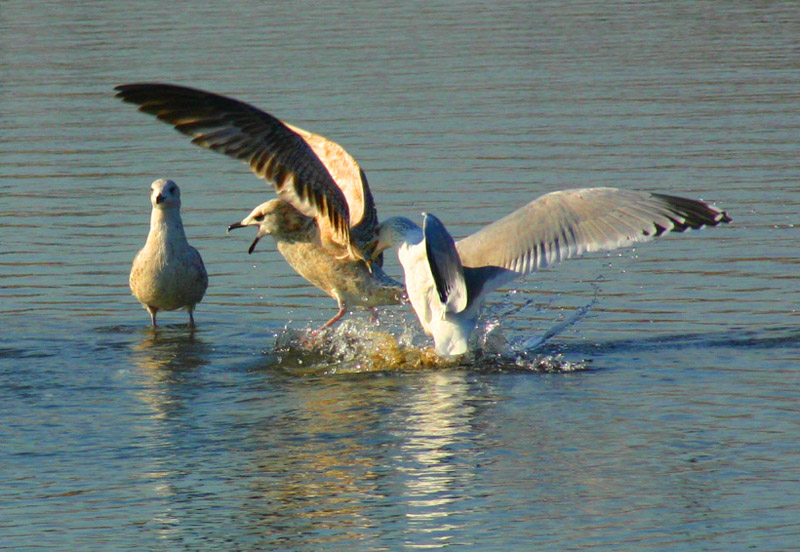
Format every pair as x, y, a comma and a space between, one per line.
397, 344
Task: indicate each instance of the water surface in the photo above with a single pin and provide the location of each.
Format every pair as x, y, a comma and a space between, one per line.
678, 431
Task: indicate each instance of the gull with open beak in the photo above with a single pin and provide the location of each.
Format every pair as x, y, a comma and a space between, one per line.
324, 218
350, 283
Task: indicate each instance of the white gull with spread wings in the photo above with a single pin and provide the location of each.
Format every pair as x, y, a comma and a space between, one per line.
448, 281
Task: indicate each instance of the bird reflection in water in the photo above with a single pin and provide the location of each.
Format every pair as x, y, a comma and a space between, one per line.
438, 459
166, 357
172, 349
320, 473
312, 474
166, 361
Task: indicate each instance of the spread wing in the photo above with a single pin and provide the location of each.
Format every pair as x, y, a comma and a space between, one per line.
351, 180
448, 275
275, 152
563, 224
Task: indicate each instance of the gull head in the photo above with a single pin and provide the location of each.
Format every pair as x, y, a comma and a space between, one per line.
393, 232
165, 194
275, 217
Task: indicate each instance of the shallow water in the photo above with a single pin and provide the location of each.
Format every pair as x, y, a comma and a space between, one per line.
672, 423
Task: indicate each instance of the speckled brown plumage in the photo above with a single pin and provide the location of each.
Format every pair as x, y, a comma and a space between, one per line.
167, 273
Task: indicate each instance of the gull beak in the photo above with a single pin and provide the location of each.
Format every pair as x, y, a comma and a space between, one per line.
253, 245
372, 246
159, 199
252, 248
235, 225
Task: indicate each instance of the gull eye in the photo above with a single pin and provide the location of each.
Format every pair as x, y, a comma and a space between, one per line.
259, 218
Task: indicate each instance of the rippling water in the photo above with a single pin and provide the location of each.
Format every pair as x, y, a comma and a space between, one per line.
649, 398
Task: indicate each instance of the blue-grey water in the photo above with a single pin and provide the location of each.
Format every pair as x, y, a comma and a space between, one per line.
679, 429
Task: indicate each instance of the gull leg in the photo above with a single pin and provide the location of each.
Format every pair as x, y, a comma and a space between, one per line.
152, 311
332, 321
191, 318
311, 341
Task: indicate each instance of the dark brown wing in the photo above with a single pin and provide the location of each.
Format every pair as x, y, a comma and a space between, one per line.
351, 180
274, 151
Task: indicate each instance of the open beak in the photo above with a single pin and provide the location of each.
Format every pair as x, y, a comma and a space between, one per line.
252, 248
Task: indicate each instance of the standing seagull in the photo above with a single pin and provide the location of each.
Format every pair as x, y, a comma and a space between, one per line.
167, 273
326, 209
447, 281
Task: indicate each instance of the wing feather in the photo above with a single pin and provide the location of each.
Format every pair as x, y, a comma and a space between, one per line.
313, 174
445, 265
563, 224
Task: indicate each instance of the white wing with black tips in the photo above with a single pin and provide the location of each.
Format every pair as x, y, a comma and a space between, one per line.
563, 224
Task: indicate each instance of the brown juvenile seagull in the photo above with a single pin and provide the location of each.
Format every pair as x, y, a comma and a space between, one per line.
298, 239
167, 273
325, 218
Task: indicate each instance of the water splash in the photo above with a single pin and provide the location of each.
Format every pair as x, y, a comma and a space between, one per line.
490, 333
397, 344
580, 313
354, 346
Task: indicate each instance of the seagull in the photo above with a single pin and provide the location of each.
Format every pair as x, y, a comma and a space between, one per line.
167, 273
298, 240
322, 190
447, 281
